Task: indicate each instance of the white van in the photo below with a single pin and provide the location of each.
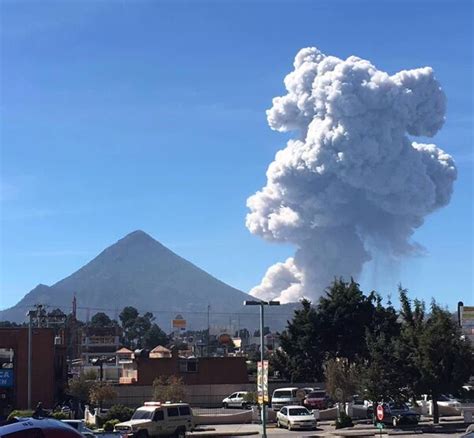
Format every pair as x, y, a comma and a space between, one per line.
158, 419
284, 397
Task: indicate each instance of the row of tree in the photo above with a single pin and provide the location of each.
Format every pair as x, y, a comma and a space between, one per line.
356, 343
138, 331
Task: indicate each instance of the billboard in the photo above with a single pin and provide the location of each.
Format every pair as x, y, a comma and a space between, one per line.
179, 323
262, 382
467, 321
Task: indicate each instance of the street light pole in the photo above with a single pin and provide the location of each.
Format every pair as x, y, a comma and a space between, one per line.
264, 413
30, 342
261, 304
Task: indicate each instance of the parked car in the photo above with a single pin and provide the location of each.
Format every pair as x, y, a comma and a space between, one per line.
38, 428
398, 414
296, 417
155, 419
284, 397
316, 400
80, 426
236, 400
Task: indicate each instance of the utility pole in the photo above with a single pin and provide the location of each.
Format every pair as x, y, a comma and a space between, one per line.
30, 315
208, 328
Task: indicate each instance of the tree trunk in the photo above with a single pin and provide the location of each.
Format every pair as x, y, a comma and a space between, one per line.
435, 410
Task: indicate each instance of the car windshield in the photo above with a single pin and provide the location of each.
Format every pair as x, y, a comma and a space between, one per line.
317, 394
142, 414
282, 394
294, 412
401, 406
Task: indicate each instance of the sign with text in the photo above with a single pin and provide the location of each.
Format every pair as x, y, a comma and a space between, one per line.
6, 378
262, 382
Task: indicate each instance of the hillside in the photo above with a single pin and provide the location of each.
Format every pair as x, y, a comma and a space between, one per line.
139, 271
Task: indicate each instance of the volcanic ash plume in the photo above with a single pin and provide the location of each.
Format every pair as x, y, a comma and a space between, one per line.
351, 179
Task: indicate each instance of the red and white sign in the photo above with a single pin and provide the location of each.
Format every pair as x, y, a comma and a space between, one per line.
380, 412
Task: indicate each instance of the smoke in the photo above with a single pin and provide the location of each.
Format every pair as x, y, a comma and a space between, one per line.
351, 179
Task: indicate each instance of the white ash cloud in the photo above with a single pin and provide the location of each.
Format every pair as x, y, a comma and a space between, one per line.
351, 179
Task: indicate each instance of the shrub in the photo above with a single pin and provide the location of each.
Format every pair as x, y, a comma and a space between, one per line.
344, 421
110, 424
119, 412
60, 416
18, 413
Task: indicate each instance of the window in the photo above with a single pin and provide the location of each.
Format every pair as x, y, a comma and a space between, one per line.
233, 395
173, 412
142, 414
184, 410
159, 415
28, 433
283, 411
188, 366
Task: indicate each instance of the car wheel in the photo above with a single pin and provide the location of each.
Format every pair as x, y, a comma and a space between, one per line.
180, 433
225, 405
289, 426
142, 434
394, 422
278, 423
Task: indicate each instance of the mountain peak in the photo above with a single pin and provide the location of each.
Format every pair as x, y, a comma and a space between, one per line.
138, 234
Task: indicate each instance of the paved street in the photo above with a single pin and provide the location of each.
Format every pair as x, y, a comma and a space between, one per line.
324, 430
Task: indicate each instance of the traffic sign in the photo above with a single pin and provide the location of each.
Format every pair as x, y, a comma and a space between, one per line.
380, 412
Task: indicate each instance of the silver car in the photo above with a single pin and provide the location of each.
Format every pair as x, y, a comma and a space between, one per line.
296, 417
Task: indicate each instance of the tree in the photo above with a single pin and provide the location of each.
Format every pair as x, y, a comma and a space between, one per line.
301, 357
79, 386
100, 320
437, 357
101, 392
344, 315
266, 331
154, 337
341, 376
168, 389
382, 373
135, 327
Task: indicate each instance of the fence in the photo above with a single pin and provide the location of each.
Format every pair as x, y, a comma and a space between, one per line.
202, 396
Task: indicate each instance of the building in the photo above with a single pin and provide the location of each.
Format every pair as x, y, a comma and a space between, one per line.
466, 321
99, 347
194, 370
48, 368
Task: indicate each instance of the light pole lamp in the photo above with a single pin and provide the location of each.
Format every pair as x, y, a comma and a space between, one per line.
30, 315
262, 304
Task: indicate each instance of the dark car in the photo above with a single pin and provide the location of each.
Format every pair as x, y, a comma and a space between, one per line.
38, 428
316, 400
398, 414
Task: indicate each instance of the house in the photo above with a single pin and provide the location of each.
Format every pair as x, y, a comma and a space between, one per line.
193, 370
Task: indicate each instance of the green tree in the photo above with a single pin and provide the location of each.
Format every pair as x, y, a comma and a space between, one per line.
301, 357
345, 314
135, 327
437, 357
382, 372
100, 319
154, 336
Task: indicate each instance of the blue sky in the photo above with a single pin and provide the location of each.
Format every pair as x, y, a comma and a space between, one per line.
124, 115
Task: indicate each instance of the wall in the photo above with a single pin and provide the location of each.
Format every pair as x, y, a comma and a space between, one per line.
43, 365
211, 370
197, 395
